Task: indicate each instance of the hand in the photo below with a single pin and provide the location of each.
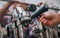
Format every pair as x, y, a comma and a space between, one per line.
50, 18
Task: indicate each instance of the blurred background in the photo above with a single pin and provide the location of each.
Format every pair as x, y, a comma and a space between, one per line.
44, 32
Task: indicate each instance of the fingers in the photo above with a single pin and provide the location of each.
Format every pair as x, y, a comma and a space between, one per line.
46, 22
43, 21
41, 18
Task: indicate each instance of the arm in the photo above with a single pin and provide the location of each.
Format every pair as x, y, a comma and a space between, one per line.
3, 9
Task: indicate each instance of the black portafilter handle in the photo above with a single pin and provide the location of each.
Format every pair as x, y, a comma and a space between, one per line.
43, 8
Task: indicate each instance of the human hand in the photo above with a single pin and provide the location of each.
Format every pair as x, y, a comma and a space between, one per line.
49, 18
